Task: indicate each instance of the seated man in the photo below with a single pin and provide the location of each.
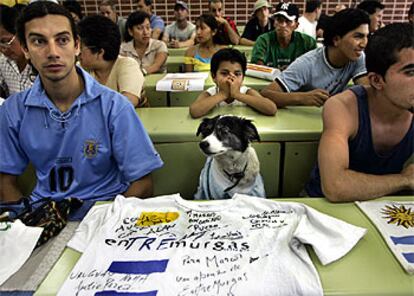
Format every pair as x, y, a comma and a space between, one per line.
325, 71
156, 22
259, 24
309, 20
368, 131
227, 31
282, 46
99, 54
180, 33
15, 70
374, 8
107, 9
83, 139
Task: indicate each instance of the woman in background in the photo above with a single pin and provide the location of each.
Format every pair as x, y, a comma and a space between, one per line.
151, 54
197, 58
100, 43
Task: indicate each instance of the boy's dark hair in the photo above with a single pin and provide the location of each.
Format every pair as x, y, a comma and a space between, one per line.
209, 20
75, 7
370, 6
8, 18
98, 32
384, 45
312, 5
343, 22
41, 9
227, 55
135, 18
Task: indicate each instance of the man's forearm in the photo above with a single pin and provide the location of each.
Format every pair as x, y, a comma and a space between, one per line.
141, 188
282, 99
353, 186
9, 190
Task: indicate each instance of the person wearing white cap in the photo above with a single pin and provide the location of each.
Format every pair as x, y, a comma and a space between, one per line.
259, 24
283, 45
180, 33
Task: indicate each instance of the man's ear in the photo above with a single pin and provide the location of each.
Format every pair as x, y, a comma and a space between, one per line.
77, 46
25, 52
336, 40
376, 80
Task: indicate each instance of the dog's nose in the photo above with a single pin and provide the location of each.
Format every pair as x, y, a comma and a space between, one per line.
204, 145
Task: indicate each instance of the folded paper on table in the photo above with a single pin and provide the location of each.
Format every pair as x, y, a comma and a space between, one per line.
262, 72
395, 222
178, 82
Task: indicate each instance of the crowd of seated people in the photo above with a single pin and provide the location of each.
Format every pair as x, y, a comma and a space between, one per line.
120, 52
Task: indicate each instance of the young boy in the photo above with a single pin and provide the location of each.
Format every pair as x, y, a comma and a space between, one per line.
228, 67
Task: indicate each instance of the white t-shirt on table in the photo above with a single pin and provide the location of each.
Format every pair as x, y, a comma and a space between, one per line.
171, 246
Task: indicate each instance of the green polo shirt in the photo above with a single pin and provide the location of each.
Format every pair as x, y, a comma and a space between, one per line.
268, 50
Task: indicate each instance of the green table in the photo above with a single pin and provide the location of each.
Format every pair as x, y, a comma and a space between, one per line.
186, 98
368, 269
155, 98
164, 99
175, 52
175, 64
174, 124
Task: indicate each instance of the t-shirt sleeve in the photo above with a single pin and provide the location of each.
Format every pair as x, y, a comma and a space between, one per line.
360, 68
259, 49
212, 90
130, 77
295, 75
330, 238
13, 159
233, 25
248, 31
133, 150
162, 47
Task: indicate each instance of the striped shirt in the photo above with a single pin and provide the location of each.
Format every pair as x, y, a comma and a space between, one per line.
11, 79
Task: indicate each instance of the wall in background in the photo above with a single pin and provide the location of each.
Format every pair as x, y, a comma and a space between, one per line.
240, 10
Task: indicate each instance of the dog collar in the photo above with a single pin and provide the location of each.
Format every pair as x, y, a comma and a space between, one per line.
235, 176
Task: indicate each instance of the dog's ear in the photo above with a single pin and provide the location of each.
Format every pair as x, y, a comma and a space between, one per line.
250, 131
206, 126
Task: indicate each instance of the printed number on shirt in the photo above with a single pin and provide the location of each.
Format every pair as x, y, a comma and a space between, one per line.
60, 178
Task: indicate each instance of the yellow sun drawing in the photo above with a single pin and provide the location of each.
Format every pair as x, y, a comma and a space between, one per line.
399, 215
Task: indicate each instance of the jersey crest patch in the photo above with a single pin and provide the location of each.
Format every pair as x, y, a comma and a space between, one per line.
90, 148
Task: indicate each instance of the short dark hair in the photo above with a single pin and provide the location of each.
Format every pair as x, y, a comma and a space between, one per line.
108, 3
147, 2
135, 18
343, 22
75, 7
227, 55
41, 9
370, 6
98, 32
8, 18
209, 20
312, 5
384, 45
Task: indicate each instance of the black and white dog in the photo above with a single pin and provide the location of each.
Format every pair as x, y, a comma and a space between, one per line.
232, 165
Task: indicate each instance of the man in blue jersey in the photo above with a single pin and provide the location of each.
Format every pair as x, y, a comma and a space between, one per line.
83, 139
367, 145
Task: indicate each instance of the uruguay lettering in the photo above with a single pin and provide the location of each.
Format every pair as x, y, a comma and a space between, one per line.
170, 246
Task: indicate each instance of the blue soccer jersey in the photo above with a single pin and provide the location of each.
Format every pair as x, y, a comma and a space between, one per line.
92, 151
